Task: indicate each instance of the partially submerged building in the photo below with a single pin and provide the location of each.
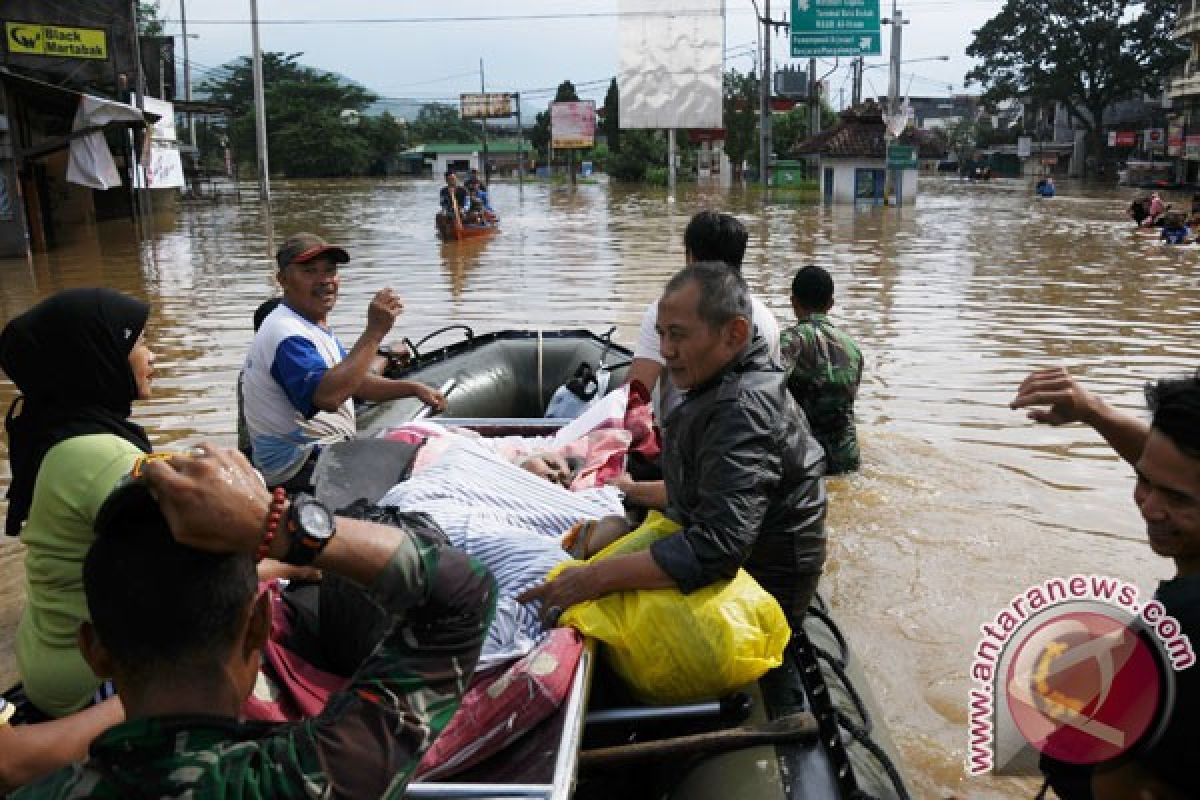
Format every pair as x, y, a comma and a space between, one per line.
852, 160
71, 151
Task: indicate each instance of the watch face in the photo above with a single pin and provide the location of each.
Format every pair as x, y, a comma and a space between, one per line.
315, 520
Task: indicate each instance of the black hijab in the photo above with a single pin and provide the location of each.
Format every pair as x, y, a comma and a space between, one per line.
69, 357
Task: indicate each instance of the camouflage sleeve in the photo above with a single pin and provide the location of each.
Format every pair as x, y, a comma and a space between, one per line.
369, 739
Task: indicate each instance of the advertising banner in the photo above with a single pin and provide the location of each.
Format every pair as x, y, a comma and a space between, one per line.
56, 41
572, 125
823, 28
1175, 140
489, 105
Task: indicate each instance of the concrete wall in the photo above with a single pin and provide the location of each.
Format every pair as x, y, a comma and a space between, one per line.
844, 176
443, 161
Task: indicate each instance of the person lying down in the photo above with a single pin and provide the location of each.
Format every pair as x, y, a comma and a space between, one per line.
510, 519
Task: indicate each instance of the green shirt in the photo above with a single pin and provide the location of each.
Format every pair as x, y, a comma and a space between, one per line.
367, 741
824, 367
74, 479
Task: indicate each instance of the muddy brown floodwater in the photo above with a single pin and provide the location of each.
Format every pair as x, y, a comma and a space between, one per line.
961, 503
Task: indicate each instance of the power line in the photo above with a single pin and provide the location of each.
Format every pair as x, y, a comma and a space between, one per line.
474, 18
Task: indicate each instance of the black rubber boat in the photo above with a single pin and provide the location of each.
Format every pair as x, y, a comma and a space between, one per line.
498, 384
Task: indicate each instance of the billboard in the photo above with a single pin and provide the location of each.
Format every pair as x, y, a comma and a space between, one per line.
572, 125
671, 55
489, 105
822, 28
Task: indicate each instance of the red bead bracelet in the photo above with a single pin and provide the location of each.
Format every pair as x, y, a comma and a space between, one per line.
274, 515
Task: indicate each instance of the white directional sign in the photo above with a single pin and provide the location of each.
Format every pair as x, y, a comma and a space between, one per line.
823, 28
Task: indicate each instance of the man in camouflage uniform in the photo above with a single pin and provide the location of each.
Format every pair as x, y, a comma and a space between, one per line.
824, 367
179, 626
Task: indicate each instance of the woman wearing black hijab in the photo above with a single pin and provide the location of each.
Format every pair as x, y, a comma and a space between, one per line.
79, 360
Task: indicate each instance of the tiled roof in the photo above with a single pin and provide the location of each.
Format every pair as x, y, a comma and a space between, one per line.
859, 134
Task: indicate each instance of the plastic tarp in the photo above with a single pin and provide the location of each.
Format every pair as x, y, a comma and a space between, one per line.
91, 162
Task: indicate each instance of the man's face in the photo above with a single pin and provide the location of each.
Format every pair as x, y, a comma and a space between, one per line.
1168, 495
693, 351
311, 288
451, 180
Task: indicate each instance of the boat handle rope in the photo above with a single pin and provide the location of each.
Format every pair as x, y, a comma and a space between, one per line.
415, 348
859, 733
541, 392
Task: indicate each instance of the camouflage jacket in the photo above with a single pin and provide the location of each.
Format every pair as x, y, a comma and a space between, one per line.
824, 367
367, 741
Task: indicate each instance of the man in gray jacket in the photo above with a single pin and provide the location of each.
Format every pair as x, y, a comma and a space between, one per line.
743, 471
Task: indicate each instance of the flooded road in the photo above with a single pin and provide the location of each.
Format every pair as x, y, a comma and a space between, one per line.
961, 504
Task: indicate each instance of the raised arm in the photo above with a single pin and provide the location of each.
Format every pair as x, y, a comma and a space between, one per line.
1054, 397
342, 381
369, 738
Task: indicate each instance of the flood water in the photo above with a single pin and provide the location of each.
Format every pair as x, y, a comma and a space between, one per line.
961, 504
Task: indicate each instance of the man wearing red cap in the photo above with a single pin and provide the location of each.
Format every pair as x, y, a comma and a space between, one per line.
299, 382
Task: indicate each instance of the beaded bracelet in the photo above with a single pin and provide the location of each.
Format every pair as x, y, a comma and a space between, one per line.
274, 515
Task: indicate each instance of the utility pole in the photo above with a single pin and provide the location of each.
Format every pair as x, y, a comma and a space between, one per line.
187, 75
520, 147
260, 114
897, 22
483, 121
814, 99
857, 81
764, 109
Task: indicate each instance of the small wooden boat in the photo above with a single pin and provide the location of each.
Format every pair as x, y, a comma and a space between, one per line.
453, 231
452, 227
499, 384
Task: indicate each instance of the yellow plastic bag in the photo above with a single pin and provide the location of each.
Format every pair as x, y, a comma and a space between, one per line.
675, 648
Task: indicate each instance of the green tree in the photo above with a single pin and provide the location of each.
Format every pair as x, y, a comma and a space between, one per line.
741, 118
539, 134
640, 150
566, 93
1085, 54
147, 18
298, 100
610, 117
386, 137
440, 122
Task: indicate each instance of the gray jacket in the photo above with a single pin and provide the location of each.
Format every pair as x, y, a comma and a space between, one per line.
744, 479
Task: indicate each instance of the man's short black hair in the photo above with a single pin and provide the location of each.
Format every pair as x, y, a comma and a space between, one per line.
159, 607
1175, 404
712, 236
812, 287
723, 292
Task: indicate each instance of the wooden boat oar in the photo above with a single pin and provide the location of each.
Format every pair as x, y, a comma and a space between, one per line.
802, 725
458, 223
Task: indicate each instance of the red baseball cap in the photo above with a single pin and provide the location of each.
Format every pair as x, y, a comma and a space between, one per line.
302, 247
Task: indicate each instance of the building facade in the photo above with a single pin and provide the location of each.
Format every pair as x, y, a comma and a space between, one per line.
1183, 120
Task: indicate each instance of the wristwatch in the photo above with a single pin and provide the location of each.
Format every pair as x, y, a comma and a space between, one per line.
310, 526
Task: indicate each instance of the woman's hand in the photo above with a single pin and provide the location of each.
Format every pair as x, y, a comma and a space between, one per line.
212, 499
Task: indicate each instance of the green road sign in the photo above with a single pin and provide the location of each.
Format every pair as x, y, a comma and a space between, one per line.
835, 28
901, 156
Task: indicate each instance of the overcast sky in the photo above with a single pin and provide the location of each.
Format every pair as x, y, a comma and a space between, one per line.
418, 49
